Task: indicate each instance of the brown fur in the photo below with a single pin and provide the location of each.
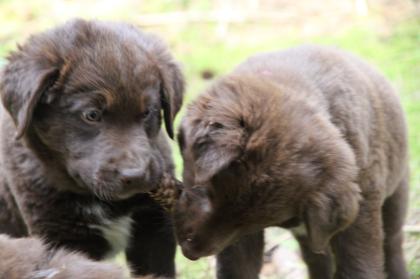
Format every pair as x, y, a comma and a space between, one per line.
81, 143
28, 258
311, 139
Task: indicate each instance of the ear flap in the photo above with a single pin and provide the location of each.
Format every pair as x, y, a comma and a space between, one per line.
212, 161
216, 146
181, 139
22, 85
171, 94
325, 214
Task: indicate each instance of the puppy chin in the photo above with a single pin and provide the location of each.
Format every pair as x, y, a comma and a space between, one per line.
109, 191
192, 254
195, 250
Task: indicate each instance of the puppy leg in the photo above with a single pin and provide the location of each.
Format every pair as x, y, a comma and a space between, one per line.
242, 260
320, 266
358, 250
152, 246
394, 211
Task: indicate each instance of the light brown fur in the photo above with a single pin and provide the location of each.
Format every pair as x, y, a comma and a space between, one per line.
28, 258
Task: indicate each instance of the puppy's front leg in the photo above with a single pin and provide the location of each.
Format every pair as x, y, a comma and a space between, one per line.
152, 246
320, 266
242, 260
359, 249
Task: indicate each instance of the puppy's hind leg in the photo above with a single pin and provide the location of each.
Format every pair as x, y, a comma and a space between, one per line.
358, 250
394, 211
242, 260
320, 266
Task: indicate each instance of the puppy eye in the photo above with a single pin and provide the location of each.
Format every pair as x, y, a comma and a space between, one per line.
216, 125
242, 123
92, 115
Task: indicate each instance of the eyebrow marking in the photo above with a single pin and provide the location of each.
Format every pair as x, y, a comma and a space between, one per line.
109, 96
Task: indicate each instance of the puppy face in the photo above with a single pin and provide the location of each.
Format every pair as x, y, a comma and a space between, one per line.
255, 157
87, 97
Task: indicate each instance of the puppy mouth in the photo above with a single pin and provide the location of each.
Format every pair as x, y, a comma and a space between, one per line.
116, 191
190, 256
110, 190
110, 185
193, 252
194, 255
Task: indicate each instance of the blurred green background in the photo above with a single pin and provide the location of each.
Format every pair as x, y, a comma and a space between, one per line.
210, 37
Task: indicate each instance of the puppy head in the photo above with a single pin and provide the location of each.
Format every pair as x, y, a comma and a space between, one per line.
255, 156
87, 98
220, 167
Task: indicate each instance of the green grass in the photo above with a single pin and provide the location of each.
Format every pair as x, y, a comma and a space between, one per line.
201, 47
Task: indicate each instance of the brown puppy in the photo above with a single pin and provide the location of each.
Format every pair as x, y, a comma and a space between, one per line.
82, 143
311, 139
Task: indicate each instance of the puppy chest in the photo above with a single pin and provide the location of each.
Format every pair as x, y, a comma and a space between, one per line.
116, 231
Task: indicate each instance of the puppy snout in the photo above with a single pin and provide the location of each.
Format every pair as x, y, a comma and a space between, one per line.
132, 176
194, 249
189, 250
135, 180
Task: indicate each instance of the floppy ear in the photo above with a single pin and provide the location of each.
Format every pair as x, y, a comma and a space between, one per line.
214, 160
171, 94
327, 213
215, 148
22, 85
181, 139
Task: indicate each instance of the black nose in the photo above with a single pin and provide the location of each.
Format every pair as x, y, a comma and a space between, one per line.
189, 251
132, 176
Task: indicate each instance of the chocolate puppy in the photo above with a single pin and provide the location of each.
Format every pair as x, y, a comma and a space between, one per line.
81, 143
311, 139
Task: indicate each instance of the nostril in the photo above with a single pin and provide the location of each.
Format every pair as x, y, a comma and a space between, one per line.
189, 236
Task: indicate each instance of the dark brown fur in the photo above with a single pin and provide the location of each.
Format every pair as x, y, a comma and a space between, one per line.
81, 143
311, 139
